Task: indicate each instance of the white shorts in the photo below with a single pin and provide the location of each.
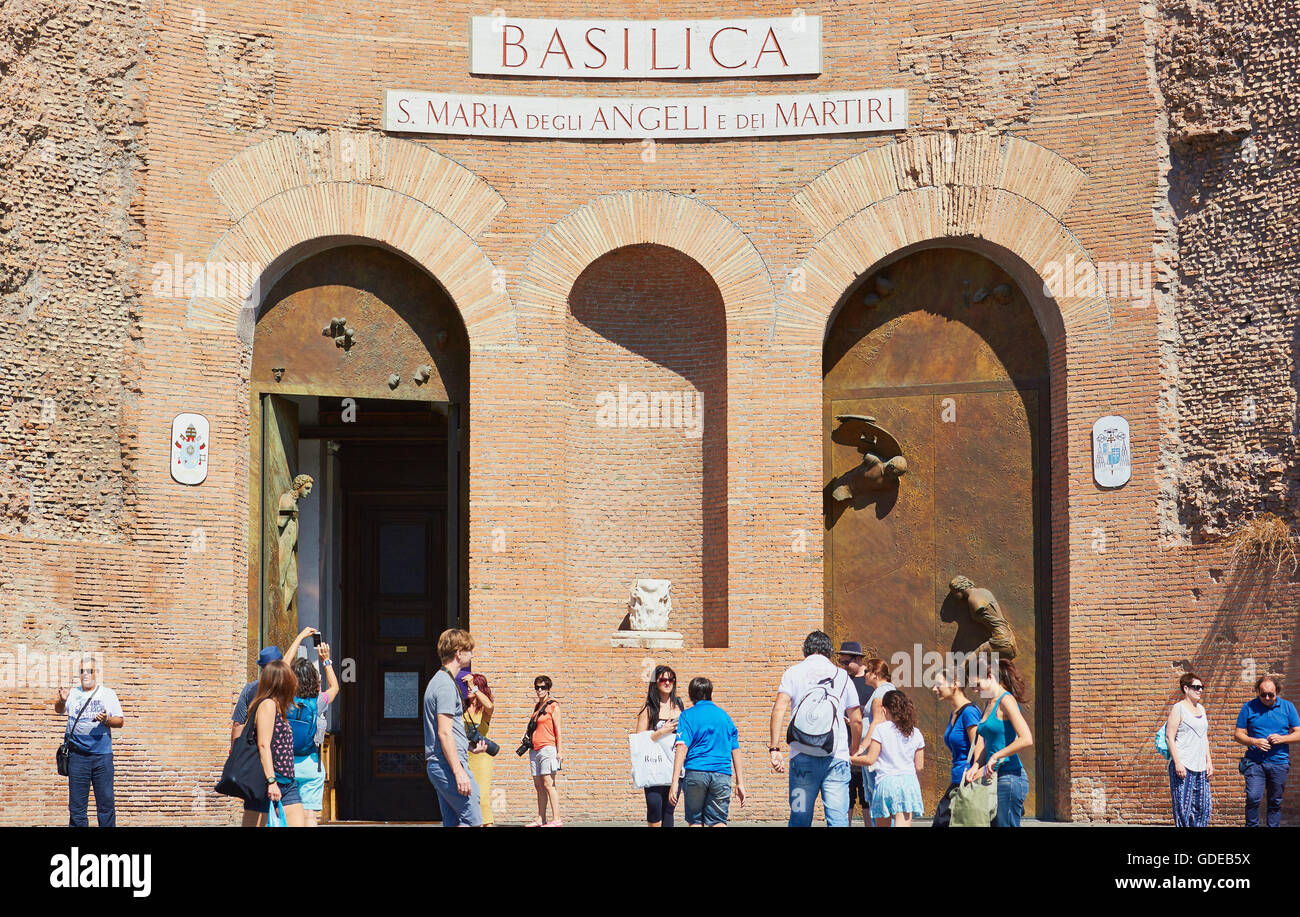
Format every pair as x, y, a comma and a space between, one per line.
544, 761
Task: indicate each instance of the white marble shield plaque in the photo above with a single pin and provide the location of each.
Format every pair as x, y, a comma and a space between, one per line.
189, 454
1111, 460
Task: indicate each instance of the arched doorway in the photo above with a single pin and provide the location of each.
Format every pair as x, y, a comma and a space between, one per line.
360, 380
942, 349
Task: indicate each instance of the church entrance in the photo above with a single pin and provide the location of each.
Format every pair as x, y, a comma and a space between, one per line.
937, 361
359, 389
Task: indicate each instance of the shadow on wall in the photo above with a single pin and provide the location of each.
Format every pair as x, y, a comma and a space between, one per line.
646, 466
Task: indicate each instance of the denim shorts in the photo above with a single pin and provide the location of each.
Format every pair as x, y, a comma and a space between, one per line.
706, 796
289, 796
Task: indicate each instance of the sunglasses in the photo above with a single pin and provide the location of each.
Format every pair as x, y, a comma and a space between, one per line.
665, 680
1267, 694
540, 688
1196, 687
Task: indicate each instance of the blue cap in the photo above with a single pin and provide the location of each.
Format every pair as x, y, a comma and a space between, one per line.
269, 654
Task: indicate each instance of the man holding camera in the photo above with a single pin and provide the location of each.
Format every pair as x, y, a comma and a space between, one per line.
446, 746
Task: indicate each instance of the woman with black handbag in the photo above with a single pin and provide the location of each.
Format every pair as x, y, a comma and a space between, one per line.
273, 738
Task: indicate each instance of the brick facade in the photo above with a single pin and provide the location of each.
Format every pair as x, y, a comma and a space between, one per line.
1039, 134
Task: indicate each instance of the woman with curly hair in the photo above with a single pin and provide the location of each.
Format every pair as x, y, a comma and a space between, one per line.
897, 749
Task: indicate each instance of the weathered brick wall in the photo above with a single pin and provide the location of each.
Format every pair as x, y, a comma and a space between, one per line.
1130, 600
71, 161
1229, 72
1225, 73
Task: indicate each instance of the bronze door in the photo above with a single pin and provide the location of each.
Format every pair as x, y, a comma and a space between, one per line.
395, 606
966, 505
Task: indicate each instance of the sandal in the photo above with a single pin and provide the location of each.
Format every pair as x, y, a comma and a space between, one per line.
535, 824
553, 824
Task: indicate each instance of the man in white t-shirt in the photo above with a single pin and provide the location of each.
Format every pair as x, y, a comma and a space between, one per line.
92, 711
833, 711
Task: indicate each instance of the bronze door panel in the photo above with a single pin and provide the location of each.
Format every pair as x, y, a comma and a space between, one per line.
966, 505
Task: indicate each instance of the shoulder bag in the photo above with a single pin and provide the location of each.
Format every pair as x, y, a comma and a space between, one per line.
64, 754
242, 776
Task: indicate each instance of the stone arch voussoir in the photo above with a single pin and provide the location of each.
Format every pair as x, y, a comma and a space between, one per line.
293, 189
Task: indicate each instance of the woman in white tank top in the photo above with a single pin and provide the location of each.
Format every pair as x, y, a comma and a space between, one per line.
1190, 768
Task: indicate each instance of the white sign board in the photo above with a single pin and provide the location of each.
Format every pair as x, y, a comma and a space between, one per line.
189, 448
693, 118
1112, 464
630, 49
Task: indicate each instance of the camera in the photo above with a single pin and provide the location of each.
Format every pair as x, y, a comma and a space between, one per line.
474, 736
525, 746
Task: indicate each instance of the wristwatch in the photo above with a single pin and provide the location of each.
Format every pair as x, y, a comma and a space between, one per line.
329, 662
270, 780
774, 748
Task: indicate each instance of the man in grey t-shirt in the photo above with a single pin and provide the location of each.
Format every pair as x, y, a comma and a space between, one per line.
446, 748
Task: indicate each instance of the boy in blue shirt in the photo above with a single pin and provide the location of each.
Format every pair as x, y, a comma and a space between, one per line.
1267, 726
708, 747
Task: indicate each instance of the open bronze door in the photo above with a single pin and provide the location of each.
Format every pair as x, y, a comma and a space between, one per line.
279, 528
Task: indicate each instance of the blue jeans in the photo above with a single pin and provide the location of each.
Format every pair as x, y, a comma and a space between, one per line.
1268, 777
457, 810
828, 776
706, 796
1012, 790
85, 771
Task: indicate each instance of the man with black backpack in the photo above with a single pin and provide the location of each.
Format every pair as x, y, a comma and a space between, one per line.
825, 724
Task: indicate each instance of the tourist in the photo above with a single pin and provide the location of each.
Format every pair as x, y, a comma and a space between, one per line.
706, 755
307, 719
661, 710
446, 744
1001, 735
268, 710
897, 749
267, 655
825, 725
93, 712
851, 659
1267, 725
875, 672
1190, 767
959, 736
544, 758
478, 714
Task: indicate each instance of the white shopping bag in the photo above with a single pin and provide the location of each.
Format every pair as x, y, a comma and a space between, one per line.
652, 764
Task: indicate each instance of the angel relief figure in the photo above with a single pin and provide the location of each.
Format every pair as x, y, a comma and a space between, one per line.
882, 458
285, 562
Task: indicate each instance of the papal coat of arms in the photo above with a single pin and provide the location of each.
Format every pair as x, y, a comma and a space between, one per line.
1111, 462
189, 463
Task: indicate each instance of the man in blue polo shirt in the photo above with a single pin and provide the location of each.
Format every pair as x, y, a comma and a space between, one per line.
708, 747
1267, 726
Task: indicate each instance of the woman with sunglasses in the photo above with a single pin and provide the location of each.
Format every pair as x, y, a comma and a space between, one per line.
662, 708
544, 727
1190, 768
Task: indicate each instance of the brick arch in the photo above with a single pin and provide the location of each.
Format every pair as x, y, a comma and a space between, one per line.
625, 218
987, 191
291, 190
